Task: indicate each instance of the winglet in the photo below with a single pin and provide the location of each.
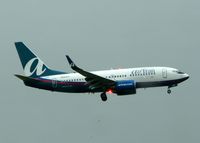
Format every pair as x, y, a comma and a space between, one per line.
72, 64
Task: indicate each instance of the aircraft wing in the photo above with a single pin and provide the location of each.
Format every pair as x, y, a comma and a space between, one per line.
94, 81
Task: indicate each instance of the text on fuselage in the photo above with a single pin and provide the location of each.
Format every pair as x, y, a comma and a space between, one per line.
143, 72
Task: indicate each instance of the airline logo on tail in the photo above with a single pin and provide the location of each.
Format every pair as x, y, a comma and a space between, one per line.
33, 66
38, 69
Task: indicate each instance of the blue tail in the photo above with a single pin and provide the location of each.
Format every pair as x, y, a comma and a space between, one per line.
33, 66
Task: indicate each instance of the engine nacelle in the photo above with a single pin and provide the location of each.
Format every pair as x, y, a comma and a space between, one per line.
125, 87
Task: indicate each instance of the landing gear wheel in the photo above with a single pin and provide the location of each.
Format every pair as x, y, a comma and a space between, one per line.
169, 91
103, 97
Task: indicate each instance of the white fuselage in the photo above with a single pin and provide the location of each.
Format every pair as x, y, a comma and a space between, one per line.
142, 74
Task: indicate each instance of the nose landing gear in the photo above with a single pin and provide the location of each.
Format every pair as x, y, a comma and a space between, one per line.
169, 90
103, 96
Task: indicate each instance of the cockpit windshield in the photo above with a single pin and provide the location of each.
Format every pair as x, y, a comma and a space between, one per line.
179, 72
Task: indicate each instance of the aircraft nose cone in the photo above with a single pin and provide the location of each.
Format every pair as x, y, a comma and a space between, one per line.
186, 76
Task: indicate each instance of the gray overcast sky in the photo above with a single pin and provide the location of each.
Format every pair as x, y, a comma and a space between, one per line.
98, 35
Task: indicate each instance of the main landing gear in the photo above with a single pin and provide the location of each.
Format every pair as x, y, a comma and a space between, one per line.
103, 96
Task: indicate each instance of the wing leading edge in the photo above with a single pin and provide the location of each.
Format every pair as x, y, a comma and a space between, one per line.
94, 81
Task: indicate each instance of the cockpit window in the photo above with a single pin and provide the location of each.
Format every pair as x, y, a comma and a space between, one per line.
179, 72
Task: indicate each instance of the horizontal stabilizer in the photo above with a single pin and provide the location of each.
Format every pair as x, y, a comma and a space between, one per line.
26, 79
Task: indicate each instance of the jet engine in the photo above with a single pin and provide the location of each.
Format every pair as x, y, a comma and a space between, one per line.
125, 87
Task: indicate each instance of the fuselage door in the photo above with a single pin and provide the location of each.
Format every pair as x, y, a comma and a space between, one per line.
164, 73
54, 83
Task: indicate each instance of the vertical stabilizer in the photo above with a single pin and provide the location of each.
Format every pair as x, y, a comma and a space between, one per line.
32, 65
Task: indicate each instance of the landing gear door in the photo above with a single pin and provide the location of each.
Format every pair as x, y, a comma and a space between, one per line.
164, 73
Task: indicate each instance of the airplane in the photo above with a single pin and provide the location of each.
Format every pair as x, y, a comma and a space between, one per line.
117, 81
